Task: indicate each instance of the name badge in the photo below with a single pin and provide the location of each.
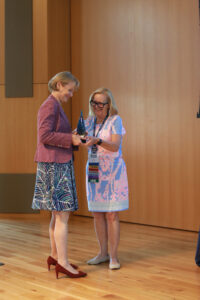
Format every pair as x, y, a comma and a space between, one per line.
93, 167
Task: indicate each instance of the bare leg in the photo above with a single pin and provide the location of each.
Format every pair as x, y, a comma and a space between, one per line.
61, 236
113, 234
100, 225
51, 235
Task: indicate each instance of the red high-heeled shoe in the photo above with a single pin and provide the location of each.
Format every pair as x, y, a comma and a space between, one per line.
60, 269
52, 261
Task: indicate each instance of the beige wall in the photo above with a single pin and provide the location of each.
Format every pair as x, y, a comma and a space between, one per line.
147, 53
51, 54
18, 115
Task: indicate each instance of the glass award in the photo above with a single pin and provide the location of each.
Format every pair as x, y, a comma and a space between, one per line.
81, 128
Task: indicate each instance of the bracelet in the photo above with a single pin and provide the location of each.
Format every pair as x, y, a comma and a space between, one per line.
99, 142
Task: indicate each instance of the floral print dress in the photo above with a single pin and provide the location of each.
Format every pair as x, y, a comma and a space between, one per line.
111, 192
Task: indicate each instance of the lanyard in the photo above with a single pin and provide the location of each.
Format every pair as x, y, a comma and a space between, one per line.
95, 122
93, 166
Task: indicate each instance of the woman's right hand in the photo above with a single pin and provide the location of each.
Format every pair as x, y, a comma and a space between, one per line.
76, 141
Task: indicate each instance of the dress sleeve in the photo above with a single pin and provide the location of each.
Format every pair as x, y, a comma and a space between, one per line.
117, 126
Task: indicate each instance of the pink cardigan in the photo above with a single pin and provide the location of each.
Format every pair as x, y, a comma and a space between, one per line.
54, 134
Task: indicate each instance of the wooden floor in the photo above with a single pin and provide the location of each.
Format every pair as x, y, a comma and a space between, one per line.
156, 263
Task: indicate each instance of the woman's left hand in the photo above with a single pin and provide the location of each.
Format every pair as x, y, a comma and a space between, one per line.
76, 141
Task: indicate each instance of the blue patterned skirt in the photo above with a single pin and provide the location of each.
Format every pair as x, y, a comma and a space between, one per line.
55, 187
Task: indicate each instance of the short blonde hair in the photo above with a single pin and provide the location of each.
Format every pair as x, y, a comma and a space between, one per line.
63, 77
111, 101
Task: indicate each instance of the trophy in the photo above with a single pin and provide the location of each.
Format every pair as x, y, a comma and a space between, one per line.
81, 128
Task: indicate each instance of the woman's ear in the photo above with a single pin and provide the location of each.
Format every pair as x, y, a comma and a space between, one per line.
58, 85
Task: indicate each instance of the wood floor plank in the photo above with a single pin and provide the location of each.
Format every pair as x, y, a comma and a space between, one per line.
157, 263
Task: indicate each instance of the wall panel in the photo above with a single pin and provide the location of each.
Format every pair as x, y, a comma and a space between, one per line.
19, 115
18, 131
147, 53
59, 48
18, 48
40, 42
2, 38
18, 119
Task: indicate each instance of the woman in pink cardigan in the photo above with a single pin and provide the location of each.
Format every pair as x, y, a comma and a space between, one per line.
55, 188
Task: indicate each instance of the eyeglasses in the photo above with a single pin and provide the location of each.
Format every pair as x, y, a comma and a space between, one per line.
98, 104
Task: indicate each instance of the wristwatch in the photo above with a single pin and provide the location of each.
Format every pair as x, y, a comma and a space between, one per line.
99, 142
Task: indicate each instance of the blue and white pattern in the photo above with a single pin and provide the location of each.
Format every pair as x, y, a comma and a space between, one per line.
111, 192
55, 187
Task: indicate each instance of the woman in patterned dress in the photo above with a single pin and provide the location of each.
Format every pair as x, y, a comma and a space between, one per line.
55, 188
107, 188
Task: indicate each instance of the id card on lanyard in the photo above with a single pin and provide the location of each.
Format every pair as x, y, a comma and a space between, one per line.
93, 159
